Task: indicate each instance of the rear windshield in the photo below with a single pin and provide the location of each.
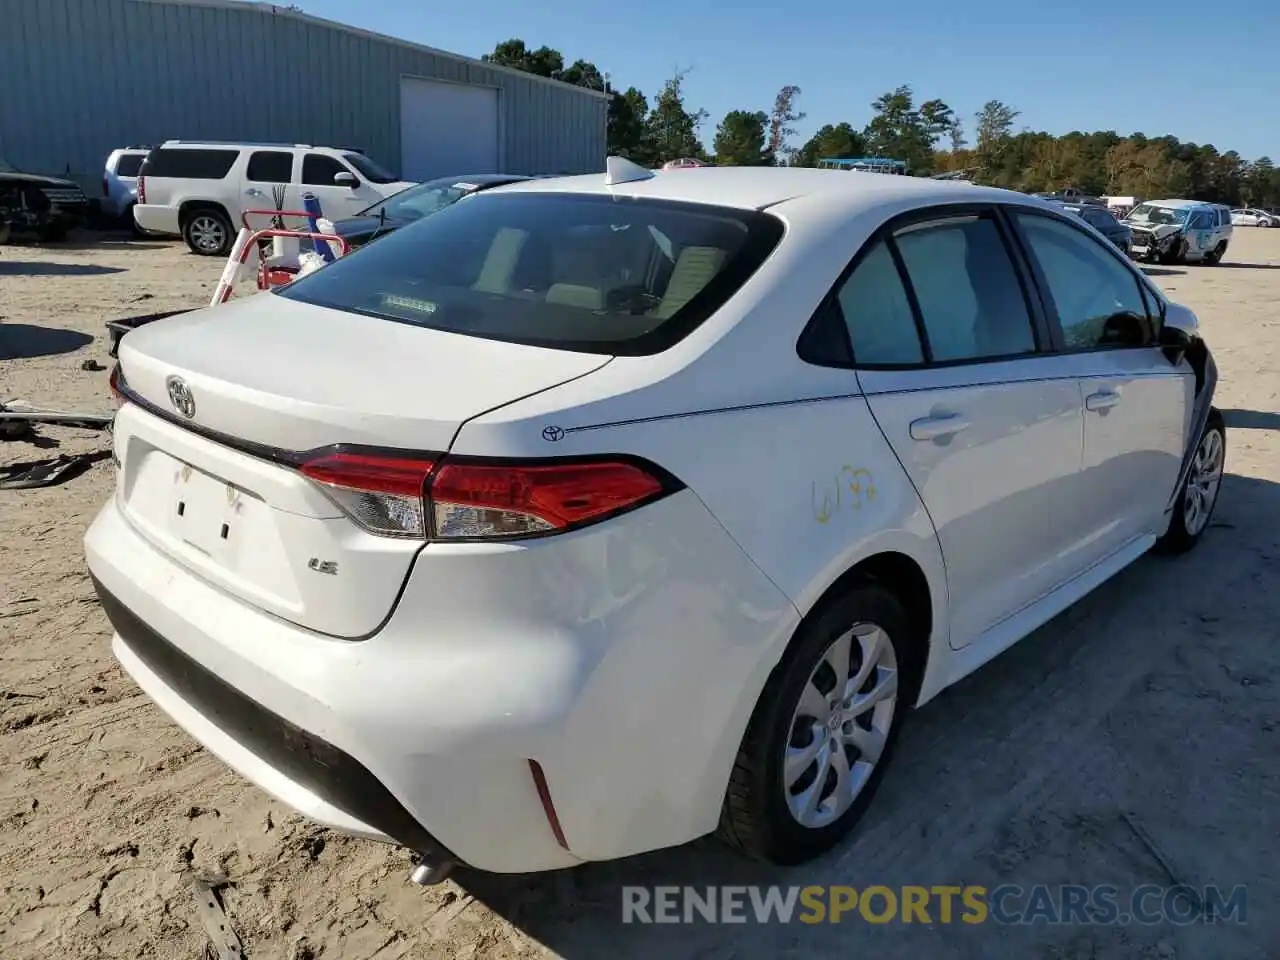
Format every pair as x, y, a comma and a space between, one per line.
128, 164
589, 273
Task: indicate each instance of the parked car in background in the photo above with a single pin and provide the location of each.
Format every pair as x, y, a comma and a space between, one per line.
413, 204
49, 207
199, 189
1253, 217
1101, 219
1073, 196
120, 183
587, 516
1174, 231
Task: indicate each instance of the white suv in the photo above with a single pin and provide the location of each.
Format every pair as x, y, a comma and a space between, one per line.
199, 190
589, 515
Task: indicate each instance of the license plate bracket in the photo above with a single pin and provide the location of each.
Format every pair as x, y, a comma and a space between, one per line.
206, 512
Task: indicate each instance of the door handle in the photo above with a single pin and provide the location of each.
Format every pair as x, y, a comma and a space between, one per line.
1102, 400
254, 192
936, 428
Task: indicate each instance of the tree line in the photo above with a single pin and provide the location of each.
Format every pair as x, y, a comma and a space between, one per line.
928, 136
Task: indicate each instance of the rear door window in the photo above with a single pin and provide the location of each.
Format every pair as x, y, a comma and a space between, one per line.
190, 163
967, 290
270, 166
574, 271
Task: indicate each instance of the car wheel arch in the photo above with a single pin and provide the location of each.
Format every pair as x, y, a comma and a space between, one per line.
189, 208
901, 574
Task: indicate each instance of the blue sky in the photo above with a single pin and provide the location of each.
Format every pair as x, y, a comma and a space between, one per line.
1204, 72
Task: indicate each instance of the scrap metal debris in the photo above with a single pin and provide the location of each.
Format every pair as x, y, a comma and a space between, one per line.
47, 473
223, 941
17, 415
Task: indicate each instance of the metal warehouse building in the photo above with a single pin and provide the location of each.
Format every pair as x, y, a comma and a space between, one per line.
82, 77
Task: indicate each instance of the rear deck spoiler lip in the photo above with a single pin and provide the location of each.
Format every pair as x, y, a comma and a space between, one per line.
118, 328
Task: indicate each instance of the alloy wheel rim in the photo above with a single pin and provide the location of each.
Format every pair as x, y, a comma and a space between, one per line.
1203, 482
207, 233
840, 725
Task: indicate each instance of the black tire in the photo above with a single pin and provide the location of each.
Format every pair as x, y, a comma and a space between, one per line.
1214, 256
1183, 535
131, 223
208, 232
756, 818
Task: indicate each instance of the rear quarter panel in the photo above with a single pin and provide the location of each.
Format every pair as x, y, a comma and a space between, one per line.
786, 455
806, 488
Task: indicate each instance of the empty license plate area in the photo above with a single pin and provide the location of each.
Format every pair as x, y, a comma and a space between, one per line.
222, 531
206, 511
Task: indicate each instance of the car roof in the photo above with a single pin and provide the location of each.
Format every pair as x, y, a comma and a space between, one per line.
1182, 204
249, 145
756, 188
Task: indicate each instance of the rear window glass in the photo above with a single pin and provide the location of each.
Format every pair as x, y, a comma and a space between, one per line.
129, 164
190, 164
269, 166
595, 274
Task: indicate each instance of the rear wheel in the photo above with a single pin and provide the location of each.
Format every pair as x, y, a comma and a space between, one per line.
207, 232
1199, 494
1214, 256
822, 733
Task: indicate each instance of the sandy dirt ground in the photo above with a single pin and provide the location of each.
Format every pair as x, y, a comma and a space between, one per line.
1133, 740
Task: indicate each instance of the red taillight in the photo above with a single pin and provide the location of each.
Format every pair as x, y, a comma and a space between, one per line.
383, 494
489, 500
142, 189
463, 500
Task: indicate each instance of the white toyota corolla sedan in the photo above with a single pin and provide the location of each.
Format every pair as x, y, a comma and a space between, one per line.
595, 514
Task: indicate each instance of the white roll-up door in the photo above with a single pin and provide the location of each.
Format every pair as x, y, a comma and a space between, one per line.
447, 129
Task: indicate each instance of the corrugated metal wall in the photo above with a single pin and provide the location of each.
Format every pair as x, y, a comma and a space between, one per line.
81, 77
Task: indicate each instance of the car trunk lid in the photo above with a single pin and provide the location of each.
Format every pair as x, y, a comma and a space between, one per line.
229, 399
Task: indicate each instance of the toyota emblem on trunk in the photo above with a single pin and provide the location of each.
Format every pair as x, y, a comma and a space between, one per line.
180, 396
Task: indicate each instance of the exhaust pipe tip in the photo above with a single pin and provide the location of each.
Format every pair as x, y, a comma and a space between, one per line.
426, 873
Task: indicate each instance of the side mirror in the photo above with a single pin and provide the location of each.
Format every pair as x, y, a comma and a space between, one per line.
345, 178
1179, 327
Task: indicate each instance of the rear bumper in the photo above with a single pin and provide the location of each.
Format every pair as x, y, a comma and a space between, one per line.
624, 659
157, 218
314, 776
